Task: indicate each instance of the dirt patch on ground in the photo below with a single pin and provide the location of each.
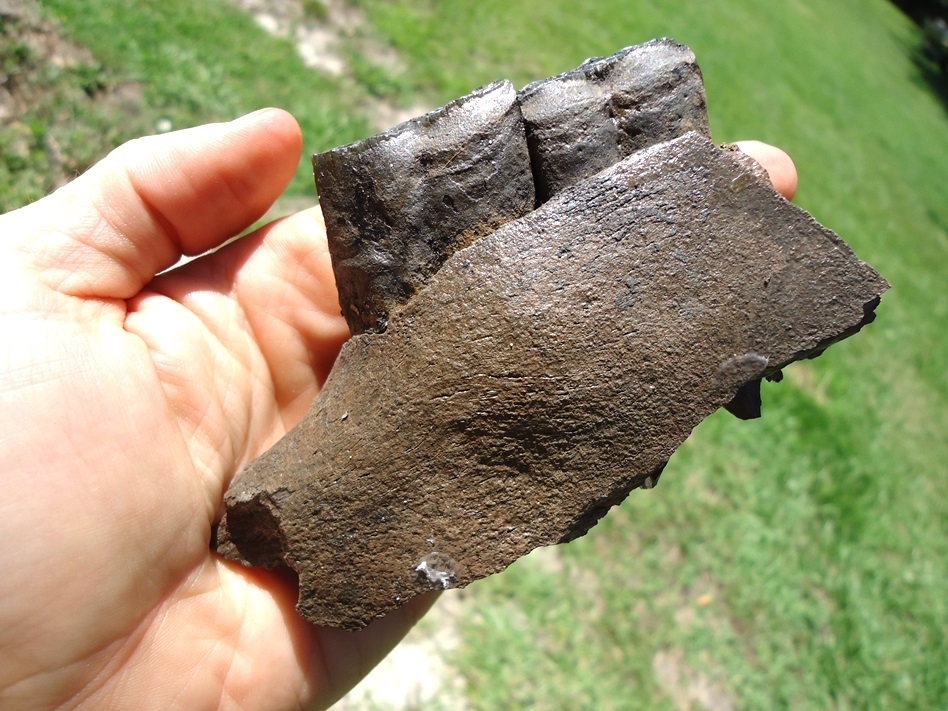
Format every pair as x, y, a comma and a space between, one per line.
30, 45
688, 689
57, 106
417, 674
326, 39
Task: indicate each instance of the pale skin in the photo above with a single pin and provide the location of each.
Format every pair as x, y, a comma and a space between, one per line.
130, 400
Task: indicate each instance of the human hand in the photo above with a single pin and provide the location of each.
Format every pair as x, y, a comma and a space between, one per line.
130, 400
779, 166
128, 403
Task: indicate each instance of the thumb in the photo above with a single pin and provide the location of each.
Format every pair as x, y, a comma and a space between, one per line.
779, 166
151, 200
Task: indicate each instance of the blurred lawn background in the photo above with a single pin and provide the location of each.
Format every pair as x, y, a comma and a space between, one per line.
798, 561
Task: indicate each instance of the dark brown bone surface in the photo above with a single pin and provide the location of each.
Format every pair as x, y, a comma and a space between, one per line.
544, 372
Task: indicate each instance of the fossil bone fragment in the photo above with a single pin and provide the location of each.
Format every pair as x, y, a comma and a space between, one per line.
541, 374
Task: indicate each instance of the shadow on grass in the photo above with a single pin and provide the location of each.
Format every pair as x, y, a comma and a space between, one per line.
933, 76
929, 47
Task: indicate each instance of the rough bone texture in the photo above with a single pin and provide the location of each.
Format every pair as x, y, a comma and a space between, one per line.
544, 372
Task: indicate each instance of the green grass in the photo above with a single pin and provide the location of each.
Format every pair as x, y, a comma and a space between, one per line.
62, 130
190, 62
797, 561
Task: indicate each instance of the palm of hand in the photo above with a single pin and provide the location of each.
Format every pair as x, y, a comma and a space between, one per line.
129, 402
